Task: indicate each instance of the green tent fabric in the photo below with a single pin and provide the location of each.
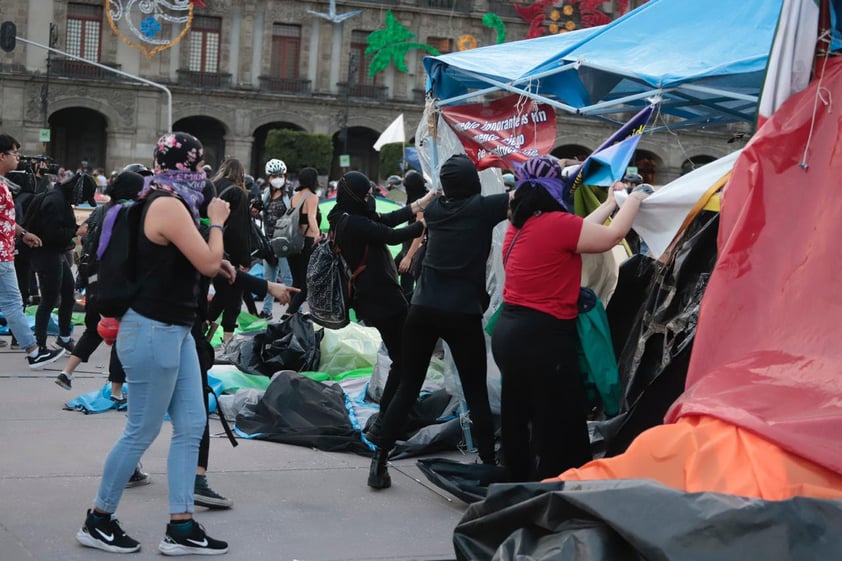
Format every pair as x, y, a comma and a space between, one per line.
383, 206
246, 323
350, 348
338, 377
232, 379
596, 357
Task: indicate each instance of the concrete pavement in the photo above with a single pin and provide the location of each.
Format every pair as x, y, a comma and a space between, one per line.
290, 502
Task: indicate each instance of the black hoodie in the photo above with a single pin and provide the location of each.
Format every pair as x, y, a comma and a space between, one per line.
50, 217
459, 227
377, 293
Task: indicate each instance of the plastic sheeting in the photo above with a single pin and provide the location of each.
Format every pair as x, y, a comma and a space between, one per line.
767, 350
292, 344
663, 212
713, 53
699, 453
641, 520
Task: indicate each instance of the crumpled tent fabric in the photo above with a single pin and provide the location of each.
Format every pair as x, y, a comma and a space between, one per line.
701, 453
291, 344
297, 410
767, 350
632, 520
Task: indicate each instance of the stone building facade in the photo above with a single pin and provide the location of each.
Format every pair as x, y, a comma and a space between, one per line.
247, 67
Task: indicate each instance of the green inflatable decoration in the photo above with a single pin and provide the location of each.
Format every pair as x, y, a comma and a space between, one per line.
493, 21
391, 44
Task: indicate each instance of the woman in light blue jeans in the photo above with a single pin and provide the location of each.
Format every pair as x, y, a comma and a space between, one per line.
275, 273
156, 348
163, 376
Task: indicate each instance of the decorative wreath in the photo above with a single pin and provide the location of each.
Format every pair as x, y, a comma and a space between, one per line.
466, 42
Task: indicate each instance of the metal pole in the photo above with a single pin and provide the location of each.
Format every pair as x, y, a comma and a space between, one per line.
115, 71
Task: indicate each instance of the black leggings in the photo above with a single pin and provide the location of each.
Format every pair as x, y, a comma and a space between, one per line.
56, 281
90, 339
227, 300
391, 330
463, 334
298, 267
543, 402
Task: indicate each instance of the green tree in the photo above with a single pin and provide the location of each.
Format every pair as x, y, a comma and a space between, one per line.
299, 149
390, 159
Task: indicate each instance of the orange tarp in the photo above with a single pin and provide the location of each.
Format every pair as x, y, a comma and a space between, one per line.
700, 453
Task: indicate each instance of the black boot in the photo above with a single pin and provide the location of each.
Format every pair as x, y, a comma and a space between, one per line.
378, 473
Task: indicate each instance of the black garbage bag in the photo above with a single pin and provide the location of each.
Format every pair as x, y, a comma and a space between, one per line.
629, 520
300, 411
292, 344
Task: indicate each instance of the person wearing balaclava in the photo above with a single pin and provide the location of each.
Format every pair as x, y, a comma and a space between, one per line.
309, 219
449, 300
159, 352
363, 236
54, 222
415, 187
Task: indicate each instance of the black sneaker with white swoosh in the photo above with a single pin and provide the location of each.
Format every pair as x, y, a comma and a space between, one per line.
106, 534
197, 542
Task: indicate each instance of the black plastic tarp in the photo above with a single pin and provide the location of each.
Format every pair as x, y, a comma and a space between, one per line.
297, 410
627, 520
292, 344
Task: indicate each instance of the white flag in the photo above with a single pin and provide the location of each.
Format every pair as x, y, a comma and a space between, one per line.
393, 133
791, 59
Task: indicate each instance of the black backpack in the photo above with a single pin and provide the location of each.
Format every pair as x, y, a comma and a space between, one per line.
87, 271
330, 281
118, 275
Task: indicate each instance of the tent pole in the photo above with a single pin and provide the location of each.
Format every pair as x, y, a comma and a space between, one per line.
518, 81
508, 88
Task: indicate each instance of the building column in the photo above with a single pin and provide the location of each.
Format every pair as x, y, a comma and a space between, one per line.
240, 147
121, 149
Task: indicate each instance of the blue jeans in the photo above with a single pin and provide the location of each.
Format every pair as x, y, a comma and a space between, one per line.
271, 273
163, 376
12, 307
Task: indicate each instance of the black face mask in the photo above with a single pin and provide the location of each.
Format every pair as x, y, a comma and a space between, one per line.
370, 203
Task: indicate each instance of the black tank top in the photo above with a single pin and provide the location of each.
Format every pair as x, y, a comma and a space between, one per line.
170, 292
304, 218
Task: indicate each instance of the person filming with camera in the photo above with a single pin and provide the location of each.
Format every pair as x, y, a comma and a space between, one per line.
10, 299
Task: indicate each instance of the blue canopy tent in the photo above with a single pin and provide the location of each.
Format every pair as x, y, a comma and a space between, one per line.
705, 61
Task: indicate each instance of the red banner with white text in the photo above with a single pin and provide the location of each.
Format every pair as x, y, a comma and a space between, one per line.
504, 132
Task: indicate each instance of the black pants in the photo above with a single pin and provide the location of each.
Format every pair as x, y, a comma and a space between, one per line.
90, 339
298, 267
56, 282
391, 331
543, 402
463, 333
228, 300
27, 283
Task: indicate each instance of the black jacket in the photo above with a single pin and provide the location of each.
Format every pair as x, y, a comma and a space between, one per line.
236, 237
458, 243
52, 220
377, 292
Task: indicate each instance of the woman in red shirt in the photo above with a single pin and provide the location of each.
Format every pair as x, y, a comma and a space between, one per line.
544, 422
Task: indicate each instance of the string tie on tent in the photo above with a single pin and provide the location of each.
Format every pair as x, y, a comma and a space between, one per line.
823, 95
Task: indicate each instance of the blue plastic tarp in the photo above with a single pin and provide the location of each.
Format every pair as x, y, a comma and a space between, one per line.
706, 59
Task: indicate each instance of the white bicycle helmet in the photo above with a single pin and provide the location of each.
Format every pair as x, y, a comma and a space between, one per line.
276, 167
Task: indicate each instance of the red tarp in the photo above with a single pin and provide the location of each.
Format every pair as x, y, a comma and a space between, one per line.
768, 351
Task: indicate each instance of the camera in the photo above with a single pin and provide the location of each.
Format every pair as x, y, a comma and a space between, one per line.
38, 164
26, 175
